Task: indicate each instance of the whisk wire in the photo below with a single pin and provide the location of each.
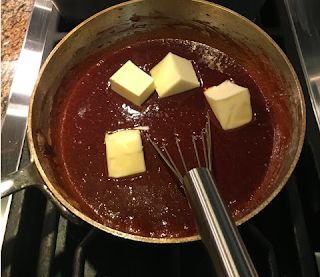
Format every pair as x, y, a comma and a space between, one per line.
175, 172
206, 145
196, 149
181, 155
208, 134
173, 164
204, 148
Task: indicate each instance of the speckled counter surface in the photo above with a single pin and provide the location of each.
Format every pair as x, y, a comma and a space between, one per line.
14, 20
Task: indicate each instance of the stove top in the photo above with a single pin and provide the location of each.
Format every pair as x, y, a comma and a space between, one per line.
282, 239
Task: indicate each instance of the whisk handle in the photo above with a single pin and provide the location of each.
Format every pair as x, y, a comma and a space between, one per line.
216, 228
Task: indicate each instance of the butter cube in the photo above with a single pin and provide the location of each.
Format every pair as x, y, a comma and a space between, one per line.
132, 83
124, 153
174, 75
230, 104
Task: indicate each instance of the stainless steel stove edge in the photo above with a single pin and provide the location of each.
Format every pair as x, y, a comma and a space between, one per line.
14, 125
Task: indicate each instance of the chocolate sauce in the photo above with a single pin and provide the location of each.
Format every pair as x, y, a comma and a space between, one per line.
153, 204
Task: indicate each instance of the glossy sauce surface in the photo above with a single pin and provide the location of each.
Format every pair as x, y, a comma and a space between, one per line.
152, 204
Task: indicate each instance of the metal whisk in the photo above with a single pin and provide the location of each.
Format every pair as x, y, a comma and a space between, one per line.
216, 228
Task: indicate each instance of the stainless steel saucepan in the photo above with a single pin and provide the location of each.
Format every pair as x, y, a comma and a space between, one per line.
252, 48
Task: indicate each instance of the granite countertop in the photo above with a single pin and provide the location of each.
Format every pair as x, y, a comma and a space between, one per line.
14, 20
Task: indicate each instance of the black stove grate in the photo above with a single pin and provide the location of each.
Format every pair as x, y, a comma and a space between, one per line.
281, 239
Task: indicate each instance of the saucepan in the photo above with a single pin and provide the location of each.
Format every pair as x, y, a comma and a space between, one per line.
132, 22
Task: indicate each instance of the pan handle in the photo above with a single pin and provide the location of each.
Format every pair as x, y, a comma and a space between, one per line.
19, 180
29, 177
